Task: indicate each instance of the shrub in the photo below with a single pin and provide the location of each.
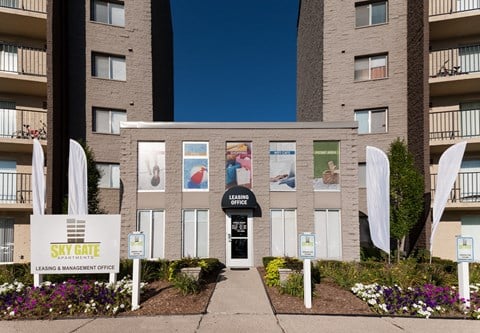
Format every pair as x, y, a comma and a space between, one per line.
209, 266
186, 284
272, 277
16, 272
293, 286
266, 261
293, 263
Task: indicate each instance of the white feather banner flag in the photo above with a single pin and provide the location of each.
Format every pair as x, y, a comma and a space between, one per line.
38, 179
378, 197
448, 168
77, 180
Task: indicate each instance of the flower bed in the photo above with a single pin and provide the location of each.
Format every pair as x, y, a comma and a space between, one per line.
421, 301
68, 298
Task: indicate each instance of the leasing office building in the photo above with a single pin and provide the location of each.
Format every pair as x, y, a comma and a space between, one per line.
241, 191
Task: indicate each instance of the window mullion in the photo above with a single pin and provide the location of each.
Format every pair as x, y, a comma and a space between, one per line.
150, 241
195, 231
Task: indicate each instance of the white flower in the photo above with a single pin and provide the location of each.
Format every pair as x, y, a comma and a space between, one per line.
50, 310
69, 306
122, 306
12, 313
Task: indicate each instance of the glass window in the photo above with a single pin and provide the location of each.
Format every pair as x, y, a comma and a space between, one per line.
370, 67
109, 67
108, 121
371, 121
362, 175
283, 232
8, 182
109, 175
109, 12
6, 240
195, 233
8, 58
371, 13
329, 234
152, 224
8, 119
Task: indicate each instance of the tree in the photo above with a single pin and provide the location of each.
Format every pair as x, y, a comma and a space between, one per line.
406, 193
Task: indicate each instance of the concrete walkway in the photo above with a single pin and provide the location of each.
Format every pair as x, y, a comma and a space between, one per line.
239, 304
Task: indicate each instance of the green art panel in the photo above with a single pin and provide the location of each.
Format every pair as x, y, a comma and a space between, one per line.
326, 161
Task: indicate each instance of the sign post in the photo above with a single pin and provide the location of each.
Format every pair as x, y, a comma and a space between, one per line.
464, 256
307, 252
136, 251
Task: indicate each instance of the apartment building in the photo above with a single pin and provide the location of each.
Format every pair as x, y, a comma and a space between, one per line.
23, 116
110, 61
367, 61
454, 79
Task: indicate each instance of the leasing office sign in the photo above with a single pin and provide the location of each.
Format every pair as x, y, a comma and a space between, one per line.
64, 244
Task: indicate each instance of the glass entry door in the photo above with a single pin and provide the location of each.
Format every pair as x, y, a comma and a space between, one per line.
239, 238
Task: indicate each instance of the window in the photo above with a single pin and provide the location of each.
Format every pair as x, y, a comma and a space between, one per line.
8, 58
283, 232
329, 234
6, 240
8, 119
109, 67
152, 224
195, 233
471, 228
370, 67
108, 121
8, 181
371, 13
108, 12
109, 175
362, 175
371, 121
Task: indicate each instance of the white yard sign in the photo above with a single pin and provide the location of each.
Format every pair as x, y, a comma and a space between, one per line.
73, 244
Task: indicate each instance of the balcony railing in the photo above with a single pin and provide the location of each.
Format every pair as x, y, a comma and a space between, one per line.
455, 61
22, 60
39, 6
441, 7
466, 188
15, 188
23, 124
450, 125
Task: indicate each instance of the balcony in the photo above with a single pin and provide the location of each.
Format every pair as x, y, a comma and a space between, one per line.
26, 18
15, 191
23, 70
19, 127
455, 71
453, 18
457, 124
465, 193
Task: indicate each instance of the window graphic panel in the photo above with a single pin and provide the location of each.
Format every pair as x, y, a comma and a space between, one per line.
195, 166
238, 164
151, 166
282, 166
326, 161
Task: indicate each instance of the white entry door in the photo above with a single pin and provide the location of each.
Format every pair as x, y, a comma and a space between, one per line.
239, 239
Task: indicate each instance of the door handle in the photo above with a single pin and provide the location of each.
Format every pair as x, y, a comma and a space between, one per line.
229, 238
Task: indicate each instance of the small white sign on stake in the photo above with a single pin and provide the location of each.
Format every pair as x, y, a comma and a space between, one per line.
136, 251
465, 249
307, 252
136, 245
465, 254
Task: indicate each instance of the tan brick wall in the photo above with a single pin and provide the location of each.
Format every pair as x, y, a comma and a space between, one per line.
303, 199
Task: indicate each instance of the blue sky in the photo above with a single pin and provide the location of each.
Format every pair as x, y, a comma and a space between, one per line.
234, 60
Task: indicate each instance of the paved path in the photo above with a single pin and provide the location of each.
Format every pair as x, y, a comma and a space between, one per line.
239, 304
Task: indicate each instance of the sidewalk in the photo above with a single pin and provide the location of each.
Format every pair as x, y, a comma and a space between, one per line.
240, 304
